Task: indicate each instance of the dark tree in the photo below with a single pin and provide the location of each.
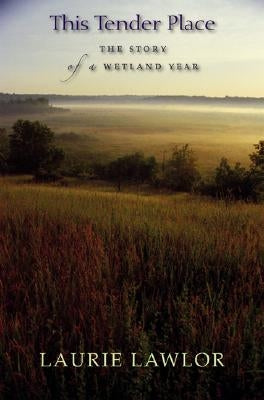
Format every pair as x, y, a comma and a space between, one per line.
3, 150
257, 158
257, 167
233, 183
132, 168
32, 148
180, 171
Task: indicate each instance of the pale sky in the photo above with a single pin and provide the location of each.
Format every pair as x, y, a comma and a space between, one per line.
34, 58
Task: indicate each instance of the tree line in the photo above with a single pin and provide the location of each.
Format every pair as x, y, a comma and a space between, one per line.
31, 149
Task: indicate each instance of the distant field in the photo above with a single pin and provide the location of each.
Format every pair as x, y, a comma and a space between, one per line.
105, 132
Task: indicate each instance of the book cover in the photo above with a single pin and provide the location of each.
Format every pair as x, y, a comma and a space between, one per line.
131, 200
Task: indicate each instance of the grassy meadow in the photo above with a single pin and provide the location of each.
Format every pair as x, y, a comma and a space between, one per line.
85, 268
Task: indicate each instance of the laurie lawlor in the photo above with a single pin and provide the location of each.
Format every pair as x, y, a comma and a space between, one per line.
135, 360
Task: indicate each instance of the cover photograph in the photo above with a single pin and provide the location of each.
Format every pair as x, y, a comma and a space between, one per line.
131, 200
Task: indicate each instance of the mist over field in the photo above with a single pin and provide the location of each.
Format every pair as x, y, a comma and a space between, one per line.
108, 127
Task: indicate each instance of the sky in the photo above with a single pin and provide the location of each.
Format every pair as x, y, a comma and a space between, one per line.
34, 58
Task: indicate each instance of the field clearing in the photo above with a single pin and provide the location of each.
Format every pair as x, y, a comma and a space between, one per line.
110, 131
103, 204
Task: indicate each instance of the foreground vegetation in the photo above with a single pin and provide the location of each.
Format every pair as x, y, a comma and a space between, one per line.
87, 270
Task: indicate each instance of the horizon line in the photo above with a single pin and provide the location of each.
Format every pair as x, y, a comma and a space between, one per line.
132, 95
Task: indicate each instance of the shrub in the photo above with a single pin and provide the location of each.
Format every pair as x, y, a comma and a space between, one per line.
232, 183
132, 168
43, 176
3, 150
181, 173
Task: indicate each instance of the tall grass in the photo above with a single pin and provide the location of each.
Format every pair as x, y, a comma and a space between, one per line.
95, 271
